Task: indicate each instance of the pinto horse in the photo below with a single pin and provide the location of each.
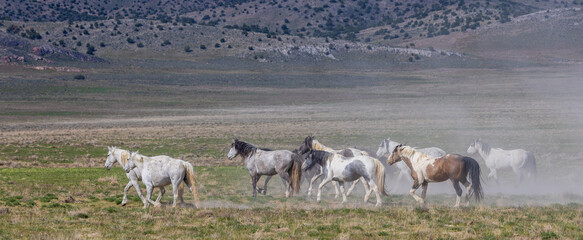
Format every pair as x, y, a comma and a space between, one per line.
388, 145
311, 143
426, 169
347, 169
261, 162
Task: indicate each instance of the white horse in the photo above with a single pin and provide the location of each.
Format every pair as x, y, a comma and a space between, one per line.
162, 171
388, 146
347, 169
119, 155
522, 162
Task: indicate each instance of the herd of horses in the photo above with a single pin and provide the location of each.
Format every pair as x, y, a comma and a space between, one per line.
313, 160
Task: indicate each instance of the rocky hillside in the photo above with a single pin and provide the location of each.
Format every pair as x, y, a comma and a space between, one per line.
284, 30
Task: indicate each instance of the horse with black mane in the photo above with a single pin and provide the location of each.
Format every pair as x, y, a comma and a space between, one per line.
311, 143
261, 162
342, 169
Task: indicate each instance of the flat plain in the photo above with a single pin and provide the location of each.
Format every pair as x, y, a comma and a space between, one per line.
55, 133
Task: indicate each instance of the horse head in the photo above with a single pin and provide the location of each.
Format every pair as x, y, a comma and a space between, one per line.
395, 155
473, 147
241, 148
131, 162
314, 157
383, 147
110, 157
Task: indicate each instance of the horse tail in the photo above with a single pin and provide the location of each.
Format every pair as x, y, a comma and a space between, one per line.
380, 173
296, 173
472, 167
191, 181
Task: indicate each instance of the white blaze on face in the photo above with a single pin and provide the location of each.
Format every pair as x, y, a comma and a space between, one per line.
232, 153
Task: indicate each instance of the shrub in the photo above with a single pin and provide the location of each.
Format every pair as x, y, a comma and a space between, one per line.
90, 49
187, 49
202, 46
130, 40
79, 77
13, 29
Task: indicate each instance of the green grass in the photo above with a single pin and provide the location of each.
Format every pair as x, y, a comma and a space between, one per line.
32, 205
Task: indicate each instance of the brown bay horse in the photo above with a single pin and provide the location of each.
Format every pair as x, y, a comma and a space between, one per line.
426, 168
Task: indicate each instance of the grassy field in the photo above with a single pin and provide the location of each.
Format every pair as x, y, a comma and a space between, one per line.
55, 131
34, 205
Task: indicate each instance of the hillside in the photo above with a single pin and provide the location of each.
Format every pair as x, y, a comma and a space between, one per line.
416, 31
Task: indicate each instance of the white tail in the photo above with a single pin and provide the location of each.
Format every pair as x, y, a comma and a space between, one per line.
191, 182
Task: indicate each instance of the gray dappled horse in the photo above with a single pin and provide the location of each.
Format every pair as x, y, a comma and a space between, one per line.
261, 162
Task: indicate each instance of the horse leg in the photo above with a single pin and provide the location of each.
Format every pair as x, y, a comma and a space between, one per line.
286, 182
149, 189
254, 179
468, 186
335, 184
312, 182
162, 191
494, 176
324, 182
414, 188
458, 192
264, 190
139, 190
342, 192
125, 193
176, 191
368, 190
353, 186
424, 190
373, 187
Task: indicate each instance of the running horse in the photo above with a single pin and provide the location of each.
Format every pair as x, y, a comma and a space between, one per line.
521, 161
426, 168
261, 162
342, 169
310, 143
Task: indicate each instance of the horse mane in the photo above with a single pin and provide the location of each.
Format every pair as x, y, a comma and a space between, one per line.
245, 149
308, 141
414, 154
125, 154
485, 147
320, 156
